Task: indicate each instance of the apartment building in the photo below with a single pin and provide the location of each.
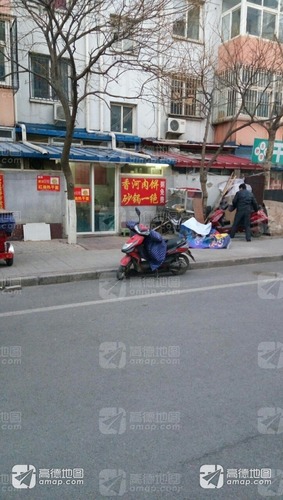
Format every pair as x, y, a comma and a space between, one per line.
105, 156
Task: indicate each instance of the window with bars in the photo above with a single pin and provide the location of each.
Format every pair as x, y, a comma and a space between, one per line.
40, 77
260, 94
185, 97
186, 22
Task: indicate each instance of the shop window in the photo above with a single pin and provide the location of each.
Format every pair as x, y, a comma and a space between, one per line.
122, 118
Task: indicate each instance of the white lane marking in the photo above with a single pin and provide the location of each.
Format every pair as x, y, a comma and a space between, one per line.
135, 297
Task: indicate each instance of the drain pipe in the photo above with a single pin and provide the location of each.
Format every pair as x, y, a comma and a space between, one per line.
120, 150
27, 143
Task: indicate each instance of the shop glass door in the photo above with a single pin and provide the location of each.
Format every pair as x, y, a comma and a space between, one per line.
104, 198
83, 194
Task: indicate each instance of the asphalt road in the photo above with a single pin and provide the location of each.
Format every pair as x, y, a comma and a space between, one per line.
151, 388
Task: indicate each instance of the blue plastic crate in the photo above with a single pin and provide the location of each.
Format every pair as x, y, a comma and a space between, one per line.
7, 222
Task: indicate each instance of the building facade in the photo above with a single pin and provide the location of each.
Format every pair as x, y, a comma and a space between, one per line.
107, 151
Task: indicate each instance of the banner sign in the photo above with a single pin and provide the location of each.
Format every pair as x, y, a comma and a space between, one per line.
2, 196
82, 195
48, 183
260, 148
142, 191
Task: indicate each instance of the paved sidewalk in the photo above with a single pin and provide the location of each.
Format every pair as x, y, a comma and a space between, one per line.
55, 261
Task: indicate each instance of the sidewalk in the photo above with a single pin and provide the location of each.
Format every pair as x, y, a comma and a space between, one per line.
49, 262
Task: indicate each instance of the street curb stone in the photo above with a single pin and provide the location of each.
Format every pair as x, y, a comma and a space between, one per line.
60, 278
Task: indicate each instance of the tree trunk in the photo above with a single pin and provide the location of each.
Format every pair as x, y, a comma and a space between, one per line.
71, 204
267, 164
203, 184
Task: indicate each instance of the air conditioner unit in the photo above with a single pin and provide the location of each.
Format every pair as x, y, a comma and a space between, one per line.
176, 126
59, 115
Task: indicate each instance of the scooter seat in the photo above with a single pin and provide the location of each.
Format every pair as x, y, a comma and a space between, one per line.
175, 242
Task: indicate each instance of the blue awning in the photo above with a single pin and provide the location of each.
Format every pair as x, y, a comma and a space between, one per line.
77, 153
79, 133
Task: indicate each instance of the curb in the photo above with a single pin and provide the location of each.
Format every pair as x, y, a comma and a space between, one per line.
60, 278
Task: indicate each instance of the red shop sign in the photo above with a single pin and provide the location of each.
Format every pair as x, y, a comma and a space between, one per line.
143, 191
48, 183
82, 195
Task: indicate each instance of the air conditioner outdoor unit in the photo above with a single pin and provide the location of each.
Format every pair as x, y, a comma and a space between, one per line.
59, 115
176, 126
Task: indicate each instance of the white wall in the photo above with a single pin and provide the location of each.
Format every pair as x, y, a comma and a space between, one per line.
93, 114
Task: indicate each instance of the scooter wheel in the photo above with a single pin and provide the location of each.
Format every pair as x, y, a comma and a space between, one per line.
258, 230
184, 265
9, 262
121, 273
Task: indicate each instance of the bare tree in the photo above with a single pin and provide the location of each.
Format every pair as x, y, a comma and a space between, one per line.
90, 38
239, 87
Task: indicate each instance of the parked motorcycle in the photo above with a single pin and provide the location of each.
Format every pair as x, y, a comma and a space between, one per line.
259, 221
147, 251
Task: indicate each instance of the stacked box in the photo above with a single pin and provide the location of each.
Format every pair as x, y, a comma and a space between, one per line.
7, 222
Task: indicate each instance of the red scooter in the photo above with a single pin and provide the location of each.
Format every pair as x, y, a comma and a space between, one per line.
7, 226
259, 221
175, 252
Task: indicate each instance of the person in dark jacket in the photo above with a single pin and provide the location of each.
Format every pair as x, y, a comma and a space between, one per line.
244, 202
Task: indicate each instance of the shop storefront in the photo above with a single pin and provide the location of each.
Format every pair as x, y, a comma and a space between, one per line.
95, 196
108, 184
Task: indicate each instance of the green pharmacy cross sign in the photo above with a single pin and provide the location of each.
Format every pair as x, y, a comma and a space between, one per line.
260, 148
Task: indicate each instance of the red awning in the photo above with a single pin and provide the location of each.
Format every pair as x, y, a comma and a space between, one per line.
229, 162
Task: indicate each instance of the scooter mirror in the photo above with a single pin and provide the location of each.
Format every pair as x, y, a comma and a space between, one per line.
137, 211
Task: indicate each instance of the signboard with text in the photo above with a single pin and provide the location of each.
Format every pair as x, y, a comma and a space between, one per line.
82, 195
142, 191
48, 183
260, 148
2, 194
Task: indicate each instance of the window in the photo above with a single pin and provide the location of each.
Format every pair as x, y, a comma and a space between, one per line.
122, 118
261, 94
263, 19
121, 27
185, 97
5, 60
60, 4
40, 77
187, 20
231, 24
